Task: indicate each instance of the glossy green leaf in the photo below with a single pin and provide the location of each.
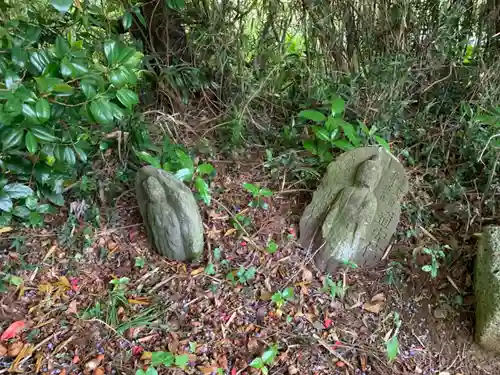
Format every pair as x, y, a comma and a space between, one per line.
321, 133
288, 293
392, 348
43, 208
45, 84
62, 47
338, 107
127, 20
66, 68
251, 188
313, 115
175, 4
12, 138
31, 203
17, 191
272, 247
42, 109
89, 90
184, 174
257, 363
343, 144
30, 142
119, 113
43, 134
111, 51
21, 211
5, 202
265, 192
101, 111
151, 160
203, 189
270, 354
19, 56
127, 97
162, 358
61, 5
12, 80
69, 156
382, 142
205, 169
25, 95
139, 15
62, 89
82, 155
13, 106
126, 55
118, 77
182, 361
30, 113
350, 133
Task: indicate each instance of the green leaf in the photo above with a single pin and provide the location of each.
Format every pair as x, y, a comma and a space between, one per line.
30, 142
321, 133
272, 247
175, 4
43, 208
270, 354
89, 90
43, 134
82, 155
162, 358
13, 138
127, 97
264, 370
14, 280
210, 269
35, 219
277, 298
19, 56
181, 361
254, 190
66, 68
265, 192
21, 211
16, 191
139, 15
205, 169
382, 142
151, 160
338, 107
310, 146
127, 20
101, 111
129, 57
14, 106
151, 371
343, 144
427, 268
46, 84
11, 80
61, 5
392, 348
42, 109
111, 51
288, 293
62, 89
350, 133
203, 189
61, 47
69, 156
313, 115
5, 203
30, 113
184, 174
257, 363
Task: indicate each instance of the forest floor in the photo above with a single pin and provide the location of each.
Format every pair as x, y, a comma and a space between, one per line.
66, 318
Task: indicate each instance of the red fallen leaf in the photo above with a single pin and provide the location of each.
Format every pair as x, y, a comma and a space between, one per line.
233, 371
74, 284
336, 345
13, 330
327, 323
136, 350
243, 243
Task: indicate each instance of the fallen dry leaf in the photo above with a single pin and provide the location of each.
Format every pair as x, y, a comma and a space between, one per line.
99, 371
72, 308
5, 229
207, 370
307, 275
13, 330
197, 271
229, 232
15, 348
376, 305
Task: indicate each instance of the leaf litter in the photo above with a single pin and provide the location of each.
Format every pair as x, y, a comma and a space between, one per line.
88, 307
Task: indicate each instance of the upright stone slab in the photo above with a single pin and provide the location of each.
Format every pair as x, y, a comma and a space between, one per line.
355, 210
170, 213
487, 290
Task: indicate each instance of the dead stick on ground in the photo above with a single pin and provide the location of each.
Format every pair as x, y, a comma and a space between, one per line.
325, 345
234, 218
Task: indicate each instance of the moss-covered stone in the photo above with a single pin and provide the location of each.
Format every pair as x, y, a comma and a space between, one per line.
170, 213
487, 290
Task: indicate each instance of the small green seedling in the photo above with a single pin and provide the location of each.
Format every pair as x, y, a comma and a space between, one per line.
392, 344
272, 247
258, 195
242, 276
436, 255
282, 296
240, 222
266, 359
139, 262
335, 289
166, 359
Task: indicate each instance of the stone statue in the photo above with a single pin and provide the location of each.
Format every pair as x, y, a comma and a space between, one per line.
170, 213
355, 210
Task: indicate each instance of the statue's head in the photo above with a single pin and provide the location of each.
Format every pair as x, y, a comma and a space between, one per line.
368, 173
